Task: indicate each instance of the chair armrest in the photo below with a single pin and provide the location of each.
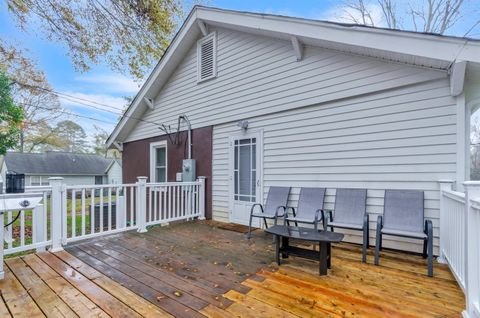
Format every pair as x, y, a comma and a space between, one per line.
325, 220
428, 228
254, 205
366, 219
319, 216
276, 213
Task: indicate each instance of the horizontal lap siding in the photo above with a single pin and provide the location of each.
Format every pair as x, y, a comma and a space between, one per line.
398, 139
373, 124
260, 75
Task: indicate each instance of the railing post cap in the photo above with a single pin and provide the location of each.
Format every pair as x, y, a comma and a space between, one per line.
142, 179
202, 177
445, 181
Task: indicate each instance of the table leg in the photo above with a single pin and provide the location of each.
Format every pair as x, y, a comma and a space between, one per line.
285, 245
323, 258
329, 256
277, 249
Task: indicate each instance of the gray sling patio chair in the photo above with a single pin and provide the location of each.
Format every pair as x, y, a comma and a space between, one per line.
350, 213
309, 208
404, 216
274, 207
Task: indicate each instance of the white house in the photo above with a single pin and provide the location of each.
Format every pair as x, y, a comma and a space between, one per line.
75, 168
305, 103
114, 171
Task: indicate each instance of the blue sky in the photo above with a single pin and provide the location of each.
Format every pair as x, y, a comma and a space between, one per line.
103, 86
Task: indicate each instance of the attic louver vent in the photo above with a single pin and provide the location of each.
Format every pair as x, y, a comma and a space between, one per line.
207, 59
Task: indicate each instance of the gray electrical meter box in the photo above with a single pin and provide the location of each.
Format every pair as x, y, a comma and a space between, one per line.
188, 170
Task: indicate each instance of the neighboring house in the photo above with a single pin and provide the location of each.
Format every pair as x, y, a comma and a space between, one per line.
327, 104
114, 171
75, 168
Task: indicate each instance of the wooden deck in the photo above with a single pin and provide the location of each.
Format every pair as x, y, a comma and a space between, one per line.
196, 270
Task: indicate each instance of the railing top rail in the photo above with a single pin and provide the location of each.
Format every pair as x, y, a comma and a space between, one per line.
475, 202
166, 184
458, 196
20, 195
99, 186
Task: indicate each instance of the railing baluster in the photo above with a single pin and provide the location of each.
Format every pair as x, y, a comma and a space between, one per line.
74, 199
92, 211
22, 228
109, 208
155, 204
101, 210
10, 230
132, 214
83, 212
45, 214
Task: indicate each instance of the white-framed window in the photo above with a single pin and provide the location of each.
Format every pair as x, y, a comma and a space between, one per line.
158, 161
207, 57
39, 181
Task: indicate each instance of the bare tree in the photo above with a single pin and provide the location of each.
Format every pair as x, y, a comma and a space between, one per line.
31, 91
431, 16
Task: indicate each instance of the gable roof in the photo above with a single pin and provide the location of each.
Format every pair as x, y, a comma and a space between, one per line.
112, 162
56, 163
415, 48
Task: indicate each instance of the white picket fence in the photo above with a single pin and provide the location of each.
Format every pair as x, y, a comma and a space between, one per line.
460, 239
70, 213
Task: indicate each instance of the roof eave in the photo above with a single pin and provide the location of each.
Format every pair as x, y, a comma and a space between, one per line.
410, 43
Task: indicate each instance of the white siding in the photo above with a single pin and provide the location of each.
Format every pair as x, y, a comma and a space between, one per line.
400, 139
115, 174
373, 124
260, 75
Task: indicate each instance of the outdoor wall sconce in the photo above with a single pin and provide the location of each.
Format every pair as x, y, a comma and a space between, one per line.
243, 124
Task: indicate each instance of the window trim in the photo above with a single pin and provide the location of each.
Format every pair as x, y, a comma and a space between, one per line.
153, 148
199, 60
41, 180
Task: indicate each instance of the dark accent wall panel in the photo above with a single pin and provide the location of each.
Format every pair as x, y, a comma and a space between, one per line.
136, 159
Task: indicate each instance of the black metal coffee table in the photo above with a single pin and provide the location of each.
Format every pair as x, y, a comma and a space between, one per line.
324, 238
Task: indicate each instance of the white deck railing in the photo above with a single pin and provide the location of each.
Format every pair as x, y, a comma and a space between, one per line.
460, 239
173, 201
69, 213
453, 238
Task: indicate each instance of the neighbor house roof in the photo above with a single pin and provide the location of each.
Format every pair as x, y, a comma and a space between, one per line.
415, 48
56, 163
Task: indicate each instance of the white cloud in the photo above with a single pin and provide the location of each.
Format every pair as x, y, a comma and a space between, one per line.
111, 83
346, 14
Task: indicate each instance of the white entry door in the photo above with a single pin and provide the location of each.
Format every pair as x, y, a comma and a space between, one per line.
245, 175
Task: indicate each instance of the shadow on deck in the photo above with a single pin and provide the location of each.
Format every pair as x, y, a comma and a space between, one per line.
196, 270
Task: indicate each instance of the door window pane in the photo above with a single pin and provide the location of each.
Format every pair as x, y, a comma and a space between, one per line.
244, 170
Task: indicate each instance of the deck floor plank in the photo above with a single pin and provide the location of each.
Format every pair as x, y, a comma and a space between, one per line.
17, 299
82, 306
219, 273
104, 300
44, 297
164, 276
3, 309
191, 266
168, 290
139, 304
189, 275
146, 291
